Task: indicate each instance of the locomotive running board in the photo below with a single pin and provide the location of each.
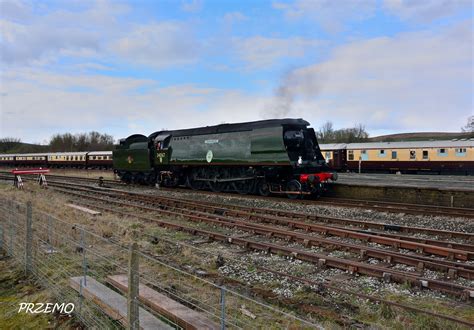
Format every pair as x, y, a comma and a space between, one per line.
289, 192
225, 180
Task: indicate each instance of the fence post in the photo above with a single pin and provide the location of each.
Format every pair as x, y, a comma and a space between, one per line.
10, 218
28, 238
133, 282
84, 261
80, 296
1, 235
50, 245
222, 308
12, 234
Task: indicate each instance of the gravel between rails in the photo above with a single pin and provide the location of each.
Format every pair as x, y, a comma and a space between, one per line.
435, 222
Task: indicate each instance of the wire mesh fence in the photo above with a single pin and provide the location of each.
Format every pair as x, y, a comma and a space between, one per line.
56, 251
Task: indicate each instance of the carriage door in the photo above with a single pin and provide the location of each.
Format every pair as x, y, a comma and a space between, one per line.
163, 151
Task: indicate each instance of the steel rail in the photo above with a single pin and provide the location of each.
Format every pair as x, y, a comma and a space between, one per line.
325, 219
322, 260
383, 206
406, 207
452, 269
329, 230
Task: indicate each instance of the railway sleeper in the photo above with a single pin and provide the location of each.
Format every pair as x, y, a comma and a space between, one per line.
373, 253
371, 270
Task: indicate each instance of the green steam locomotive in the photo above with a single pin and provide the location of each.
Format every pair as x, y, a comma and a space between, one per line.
278, 156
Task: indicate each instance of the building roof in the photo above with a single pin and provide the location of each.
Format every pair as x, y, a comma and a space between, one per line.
99, 153
332, 146
79, 153
412, 144
463, 143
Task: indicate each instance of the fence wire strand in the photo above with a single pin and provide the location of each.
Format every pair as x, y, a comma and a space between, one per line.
62, 250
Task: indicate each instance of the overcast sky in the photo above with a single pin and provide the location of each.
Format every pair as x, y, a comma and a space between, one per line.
137, 67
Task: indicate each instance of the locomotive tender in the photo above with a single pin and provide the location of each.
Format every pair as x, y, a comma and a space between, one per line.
280, 156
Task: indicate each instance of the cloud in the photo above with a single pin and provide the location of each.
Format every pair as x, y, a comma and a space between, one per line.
28, 39
192, 6
410, 81
47, 103
158, 45
330, 15
425, 11
234, 17
93, 32
24, 45
14, 10
262, 52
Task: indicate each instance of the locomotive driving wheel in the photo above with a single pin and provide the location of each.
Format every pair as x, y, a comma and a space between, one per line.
243, 187
294, 189
193, 181
214, 179
263, 188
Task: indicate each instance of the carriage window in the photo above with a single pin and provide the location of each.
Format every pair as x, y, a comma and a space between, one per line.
350, 154
412, 154
93, 157
382, 153
442, 152
328, 155
425, 154
460, 152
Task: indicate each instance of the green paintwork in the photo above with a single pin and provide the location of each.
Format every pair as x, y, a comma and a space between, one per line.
132, 160
254, 146
257, 146
132, 155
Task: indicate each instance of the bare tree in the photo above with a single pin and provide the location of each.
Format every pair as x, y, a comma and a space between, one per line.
92, 141
327, 134
469, 126
8, 143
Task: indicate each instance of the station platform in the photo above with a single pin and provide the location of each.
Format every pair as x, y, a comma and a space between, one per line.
441, 190
443, 182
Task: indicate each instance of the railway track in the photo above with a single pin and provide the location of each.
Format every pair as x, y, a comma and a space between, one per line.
400, 207
380, 206
92, 197
288, 227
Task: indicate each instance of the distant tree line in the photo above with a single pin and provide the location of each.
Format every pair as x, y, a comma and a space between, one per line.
67, 142
327, 134
92, 141
8, 143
